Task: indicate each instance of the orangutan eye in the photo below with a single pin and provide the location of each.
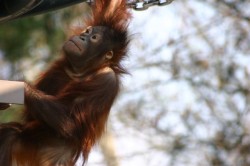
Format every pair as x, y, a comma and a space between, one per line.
95, 38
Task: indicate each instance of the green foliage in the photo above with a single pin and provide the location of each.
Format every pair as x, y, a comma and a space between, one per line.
11, 114
18, 37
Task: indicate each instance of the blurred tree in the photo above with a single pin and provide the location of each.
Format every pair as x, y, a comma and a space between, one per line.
16, 36
189, 103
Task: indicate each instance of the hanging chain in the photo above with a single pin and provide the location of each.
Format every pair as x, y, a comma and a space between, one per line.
142, 4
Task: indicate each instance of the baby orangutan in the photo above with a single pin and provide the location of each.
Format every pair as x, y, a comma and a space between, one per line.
67, 108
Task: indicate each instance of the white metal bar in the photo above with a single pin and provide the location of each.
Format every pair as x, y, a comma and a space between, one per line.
11, 92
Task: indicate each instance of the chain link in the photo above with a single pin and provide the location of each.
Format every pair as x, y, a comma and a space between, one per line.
141, 5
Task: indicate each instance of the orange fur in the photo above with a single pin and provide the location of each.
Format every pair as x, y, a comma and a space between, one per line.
65, 114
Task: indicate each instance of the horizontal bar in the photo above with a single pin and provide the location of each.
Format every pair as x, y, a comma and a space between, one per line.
11, 92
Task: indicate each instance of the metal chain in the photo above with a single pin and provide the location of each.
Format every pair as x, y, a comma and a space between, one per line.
141, 5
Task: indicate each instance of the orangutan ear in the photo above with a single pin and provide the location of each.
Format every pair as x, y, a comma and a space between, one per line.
109, 55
